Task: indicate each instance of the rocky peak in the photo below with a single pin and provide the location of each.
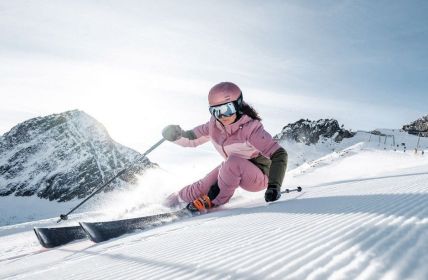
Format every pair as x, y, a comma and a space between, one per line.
63, 156
310, 132
418, 126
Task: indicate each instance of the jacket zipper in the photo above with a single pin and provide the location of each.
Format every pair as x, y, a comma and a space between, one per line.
222, 144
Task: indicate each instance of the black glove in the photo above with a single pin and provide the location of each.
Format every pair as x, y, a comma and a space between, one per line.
272, 193
172, 132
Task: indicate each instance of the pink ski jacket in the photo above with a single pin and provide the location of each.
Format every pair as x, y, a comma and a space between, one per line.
245, 138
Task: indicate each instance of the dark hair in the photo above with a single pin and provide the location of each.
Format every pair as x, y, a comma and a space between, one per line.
250, 111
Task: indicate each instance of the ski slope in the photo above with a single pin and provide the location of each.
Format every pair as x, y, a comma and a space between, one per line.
363, 214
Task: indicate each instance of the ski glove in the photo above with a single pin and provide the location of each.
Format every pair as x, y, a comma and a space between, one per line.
272, 193
200, 204
172, 132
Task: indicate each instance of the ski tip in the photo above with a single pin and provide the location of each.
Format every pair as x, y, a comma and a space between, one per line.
41, 238
89, 231
57, 236
92, 232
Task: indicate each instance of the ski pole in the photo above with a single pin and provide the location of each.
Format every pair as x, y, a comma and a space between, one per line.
65, 216
298, 189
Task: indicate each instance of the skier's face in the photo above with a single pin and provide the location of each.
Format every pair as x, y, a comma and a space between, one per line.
227, 120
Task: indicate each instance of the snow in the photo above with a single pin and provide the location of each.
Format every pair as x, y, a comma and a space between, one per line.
18, 210
363, 214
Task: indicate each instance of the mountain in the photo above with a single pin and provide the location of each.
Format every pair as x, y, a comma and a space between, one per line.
311, 132
62, 157
418, 126
307, 141
362, 214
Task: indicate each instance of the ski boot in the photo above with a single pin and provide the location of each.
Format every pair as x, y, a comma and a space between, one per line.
201, 204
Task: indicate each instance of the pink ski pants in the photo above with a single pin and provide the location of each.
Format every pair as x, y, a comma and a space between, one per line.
231, 174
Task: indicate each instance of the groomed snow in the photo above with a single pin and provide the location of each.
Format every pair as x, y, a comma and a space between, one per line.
363, 214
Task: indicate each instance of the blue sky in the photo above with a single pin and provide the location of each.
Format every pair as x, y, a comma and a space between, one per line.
139, 65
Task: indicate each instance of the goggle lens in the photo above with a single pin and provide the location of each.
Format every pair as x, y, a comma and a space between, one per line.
225, 110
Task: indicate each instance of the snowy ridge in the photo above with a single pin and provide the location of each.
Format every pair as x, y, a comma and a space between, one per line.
62, 157
356, 219
311, 132
302, 154
327, 159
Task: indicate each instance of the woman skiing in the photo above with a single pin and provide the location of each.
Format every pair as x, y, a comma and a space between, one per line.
253, 160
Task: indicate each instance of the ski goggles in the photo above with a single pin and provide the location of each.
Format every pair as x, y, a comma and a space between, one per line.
223, 110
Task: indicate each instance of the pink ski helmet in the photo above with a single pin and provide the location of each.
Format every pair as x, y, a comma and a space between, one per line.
225, 92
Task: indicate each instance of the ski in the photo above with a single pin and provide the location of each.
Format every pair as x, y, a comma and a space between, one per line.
102, 231
57, 236
50, 237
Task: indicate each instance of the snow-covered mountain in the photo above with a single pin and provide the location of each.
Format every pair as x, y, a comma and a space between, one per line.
62, 157
311, 132
418, 126
362, 215
307, 141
